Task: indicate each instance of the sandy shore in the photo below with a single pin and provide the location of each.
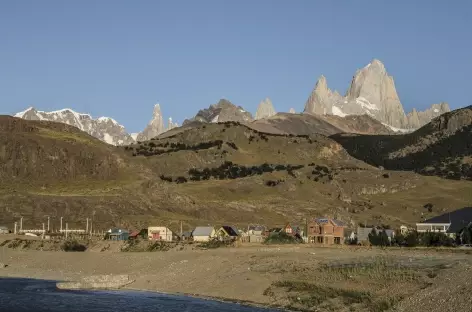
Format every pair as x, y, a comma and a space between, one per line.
243, 274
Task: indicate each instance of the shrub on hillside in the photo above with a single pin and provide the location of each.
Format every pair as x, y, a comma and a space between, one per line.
72, 245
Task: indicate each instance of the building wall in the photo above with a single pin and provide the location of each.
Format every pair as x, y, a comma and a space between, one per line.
201, 238
326, 234
165, 234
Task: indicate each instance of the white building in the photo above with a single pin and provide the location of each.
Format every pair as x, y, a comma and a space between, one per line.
203, 233
160, 233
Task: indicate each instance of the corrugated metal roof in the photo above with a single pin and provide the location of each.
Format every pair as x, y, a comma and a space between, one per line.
203, 231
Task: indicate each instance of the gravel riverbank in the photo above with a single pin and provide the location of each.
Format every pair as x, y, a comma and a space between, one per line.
299, 277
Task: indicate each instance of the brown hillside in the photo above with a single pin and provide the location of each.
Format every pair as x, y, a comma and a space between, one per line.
443, 147
33, 150
210, 174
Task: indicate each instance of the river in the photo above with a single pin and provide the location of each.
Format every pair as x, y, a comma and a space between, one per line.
40, 295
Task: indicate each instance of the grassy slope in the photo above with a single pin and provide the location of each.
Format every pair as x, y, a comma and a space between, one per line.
128, 191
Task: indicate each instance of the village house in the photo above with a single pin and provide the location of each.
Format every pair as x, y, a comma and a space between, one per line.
326, 231
203, 233
288, 229
450, 223
4, 230
254, 234
160, 233
227, 232
256, 229
117, 234
404, 230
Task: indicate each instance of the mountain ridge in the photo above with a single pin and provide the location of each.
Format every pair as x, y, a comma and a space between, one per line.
372, 91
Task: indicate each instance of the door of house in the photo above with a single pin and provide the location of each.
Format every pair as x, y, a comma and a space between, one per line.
156, 235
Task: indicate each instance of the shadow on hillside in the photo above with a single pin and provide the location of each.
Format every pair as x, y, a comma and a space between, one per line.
420, 154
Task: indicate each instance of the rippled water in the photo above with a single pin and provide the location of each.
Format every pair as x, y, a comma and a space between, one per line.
39, 295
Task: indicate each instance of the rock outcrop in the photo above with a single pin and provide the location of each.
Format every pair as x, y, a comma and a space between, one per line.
155, 126
372, 92
265, 109
104, 128
223, 111
171, 124
418, 119
97, 282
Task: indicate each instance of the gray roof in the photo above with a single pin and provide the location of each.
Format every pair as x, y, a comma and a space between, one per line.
257, 227
203, 231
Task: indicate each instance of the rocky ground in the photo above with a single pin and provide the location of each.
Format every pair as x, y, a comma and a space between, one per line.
294, 277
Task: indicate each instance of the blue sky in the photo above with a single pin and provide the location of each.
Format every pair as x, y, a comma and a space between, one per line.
118, 58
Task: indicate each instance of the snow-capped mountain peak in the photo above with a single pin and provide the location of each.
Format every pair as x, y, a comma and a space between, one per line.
104, 128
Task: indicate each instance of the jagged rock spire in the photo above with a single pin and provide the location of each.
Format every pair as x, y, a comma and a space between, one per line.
265, 109
155, 126
319, 101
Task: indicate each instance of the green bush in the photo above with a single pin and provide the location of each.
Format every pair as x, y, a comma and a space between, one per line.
281, 238
214, 243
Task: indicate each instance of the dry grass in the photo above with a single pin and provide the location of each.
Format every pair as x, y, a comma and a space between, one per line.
372, 284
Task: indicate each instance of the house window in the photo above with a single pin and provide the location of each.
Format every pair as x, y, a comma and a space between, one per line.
337, 240
320, 239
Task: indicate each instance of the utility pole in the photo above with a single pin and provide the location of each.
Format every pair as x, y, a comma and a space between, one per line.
86, 229
306, 227
42, 236
61, 225
48, 224
21, 224
16, 228
67, 229
180, 229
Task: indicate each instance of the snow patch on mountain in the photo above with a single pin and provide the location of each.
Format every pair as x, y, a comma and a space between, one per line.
108, 138
104, 128
398, 130
364, 103
338, 112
